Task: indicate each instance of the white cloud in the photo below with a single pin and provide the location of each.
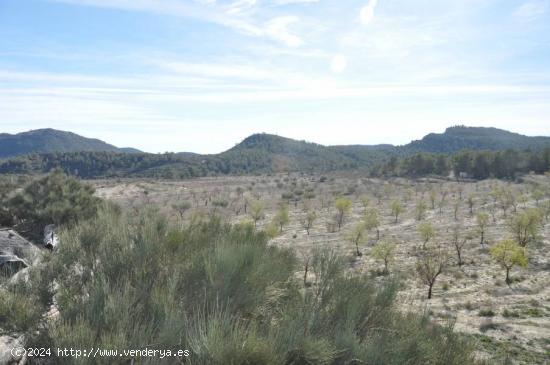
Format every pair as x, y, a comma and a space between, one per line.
367, 12
531, 10
278, 29
339, 63
289, 2
240, 6
219, 70
233, 16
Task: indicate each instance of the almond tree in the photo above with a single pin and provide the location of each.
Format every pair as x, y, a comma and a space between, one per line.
442, 201
426, 232
433, 198
526, 225
505, 201
459, 190
429, 265
546, 210
396, 209
372, 221
281, 218
458, 241
508, 254
482, 220
538, 195
308, 221
456, 207
365, 201
420, 210
358, 235
471, 203
181, 208
343, 207
384, 251
256, 210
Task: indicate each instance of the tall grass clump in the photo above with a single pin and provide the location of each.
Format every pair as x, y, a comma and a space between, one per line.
133, 280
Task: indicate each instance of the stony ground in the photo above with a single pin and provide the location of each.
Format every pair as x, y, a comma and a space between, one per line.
511, 321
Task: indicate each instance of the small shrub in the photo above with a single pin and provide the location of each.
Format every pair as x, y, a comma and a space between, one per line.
533, 312
487, 324
486, 312
510, 314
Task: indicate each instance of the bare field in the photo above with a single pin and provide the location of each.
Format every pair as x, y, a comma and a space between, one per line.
511, 320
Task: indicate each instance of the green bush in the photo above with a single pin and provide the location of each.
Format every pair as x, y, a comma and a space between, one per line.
486, 312
133, 280
19, 310
52, 199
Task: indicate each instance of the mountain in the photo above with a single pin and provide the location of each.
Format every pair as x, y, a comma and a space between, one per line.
51, 140
258, 153
129, 150
267, 153
454, 139
475, 138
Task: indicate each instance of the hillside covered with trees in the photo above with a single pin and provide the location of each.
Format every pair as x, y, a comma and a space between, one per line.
478, 152
51, 140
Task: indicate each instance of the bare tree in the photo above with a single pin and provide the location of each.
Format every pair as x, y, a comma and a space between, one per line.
308, 221
442, 201
429, 265
459, 241
471, 203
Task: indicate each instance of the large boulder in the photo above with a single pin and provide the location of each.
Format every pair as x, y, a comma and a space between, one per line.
7, 356
11, 264
16, 253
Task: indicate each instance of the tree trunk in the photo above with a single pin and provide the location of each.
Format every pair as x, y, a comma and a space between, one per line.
508, 275
430, 290
305, 272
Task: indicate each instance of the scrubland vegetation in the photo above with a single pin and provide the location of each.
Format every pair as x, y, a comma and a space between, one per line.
289, 269
124, 279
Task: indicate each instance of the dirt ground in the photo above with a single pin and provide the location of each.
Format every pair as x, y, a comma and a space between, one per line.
505, 320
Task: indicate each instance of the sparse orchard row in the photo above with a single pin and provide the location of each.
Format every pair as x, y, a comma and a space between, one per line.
445, 238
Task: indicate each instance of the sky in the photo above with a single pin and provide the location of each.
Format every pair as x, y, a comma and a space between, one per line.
201, 75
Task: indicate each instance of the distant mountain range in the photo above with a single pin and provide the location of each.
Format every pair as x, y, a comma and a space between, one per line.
258, 153
475, 138
51, 140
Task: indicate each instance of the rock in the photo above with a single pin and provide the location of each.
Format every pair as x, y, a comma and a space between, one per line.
11, 264
8, 343
16, 253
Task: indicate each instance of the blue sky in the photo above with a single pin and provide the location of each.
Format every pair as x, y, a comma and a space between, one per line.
201, 75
